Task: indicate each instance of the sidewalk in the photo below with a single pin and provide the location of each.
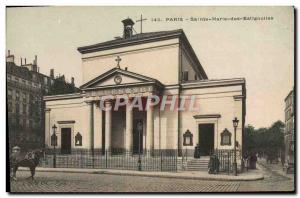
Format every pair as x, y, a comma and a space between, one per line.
277, 168
251, 175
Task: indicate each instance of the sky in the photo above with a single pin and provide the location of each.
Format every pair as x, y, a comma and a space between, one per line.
261, 51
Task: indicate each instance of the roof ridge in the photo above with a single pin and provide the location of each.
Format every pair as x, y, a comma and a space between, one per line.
135, 37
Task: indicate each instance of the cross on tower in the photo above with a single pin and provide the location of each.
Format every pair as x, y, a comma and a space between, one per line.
118, 59
141, 20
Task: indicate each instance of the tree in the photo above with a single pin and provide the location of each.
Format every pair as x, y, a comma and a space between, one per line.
276, 138
265, 141
249, 142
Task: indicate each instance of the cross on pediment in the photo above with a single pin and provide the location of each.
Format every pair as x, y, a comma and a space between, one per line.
118, 59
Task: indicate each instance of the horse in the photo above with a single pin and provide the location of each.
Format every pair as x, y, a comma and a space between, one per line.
30, 159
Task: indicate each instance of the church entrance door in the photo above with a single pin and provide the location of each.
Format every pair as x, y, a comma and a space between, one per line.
206, 139
66, 140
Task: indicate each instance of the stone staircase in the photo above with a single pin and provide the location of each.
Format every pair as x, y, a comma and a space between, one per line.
200, 164
181, 164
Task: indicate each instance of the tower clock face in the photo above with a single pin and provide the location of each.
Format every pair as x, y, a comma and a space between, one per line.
118, 79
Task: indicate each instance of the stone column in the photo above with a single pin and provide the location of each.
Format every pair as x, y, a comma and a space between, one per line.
47, 128
149, 130
91, 125
108, 118
129, 123
97, 126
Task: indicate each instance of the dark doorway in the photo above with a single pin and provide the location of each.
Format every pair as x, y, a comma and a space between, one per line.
66, 140
206, 138
138, 127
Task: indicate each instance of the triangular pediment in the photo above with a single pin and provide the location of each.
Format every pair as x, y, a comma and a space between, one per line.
117, 77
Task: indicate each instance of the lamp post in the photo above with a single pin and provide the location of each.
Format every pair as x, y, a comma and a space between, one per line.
54, 143
235, 124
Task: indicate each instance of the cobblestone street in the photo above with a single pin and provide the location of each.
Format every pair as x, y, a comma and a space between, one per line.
83, 182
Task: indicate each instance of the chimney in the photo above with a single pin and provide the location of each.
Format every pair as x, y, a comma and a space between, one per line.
35, 60
72, 81
52, 73
25, 61
128, 27
10, 58
63, 78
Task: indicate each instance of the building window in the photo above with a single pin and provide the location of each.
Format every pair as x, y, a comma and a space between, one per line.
9, 106
24, 109
78, 139
45, 80
31, 98
17, 109
9, 94
225, 137
187, 138
30, 110
24, 98
17, 95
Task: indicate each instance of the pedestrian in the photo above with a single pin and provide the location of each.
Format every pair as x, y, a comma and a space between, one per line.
282, 158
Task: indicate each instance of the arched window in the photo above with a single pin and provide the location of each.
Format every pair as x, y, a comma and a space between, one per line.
225, 137
187, 138
78, 139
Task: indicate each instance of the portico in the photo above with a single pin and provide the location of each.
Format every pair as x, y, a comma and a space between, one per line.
123, 107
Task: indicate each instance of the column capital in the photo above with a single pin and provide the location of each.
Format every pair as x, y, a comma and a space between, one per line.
97, 103
108, 102
89, 102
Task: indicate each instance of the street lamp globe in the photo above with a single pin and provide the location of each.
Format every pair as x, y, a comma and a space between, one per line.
235, 122
54, 127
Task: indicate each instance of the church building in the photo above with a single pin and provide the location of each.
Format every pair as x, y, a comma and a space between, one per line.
161, 64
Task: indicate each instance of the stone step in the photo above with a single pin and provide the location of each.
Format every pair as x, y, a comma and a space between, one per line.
197, 163
200, 164
196, 169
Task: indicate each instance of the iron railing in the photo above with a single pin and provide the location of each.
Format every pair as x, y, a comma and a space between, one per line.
150, 160
226, 158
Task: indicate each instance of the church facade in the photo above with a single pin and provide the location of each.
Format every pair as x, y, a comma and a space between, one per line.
136, 94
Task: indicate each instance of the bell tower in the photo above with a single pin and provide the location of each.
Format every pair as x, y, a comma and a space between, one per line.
128, 28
